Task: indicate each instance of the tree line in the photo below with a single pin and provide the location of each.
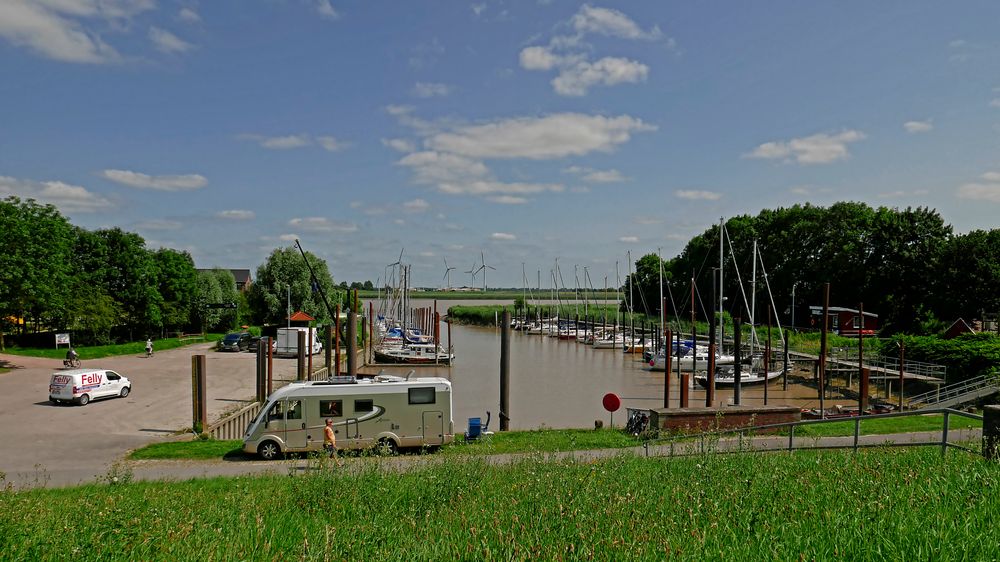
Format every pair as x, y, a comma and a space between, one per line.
907, 266
105, 285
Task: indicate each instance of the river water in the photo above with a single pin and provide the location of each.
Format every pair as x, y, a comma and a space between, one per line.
559, 383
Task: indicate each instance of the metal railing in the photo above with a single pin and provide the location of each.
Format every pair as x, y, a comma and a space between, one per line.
233, 425
956, 390
890, 363
714, 442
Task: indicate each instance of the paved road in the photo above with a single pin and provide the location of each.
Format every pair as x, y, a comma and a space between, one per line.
43, 444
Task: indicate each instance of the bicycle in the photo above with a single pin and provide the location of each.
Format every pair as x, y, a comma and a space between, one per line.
73, 363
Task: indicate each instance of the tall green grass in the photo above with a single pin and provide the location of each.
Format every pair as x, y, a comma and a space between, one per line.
878, 504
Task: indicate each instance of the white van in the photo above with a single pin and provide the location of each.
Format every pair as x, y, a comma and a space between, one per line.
83, 385
389, 411
288, 342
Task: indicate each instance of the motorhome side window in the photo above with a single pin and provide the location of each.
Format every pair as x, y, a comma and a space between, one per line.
422, 395
363, 406
331, 408
294, 410
275, 413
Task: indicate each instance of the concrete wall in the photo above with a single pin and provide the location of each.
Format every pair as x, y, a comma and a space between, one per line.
695, 420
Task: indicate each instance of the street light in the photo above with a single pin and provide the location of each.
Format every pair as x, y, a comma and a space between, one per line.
793, 304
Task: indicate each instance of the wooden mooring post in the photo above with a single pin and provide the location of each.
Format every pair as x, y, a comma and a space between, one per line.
991, 431
505, 372
352, 343
199, 398
667, 355
300, 366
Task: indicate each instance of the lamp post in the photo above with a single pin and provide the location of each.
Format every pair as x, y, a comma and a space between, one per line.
793, 304
288, 306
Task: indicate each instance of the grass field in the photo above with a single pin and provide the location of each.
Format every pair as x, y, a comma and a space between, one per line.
99, 351
885, 504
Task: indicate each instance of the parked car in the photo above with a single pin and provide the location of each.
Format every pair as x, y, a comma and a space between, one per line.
83, 385
235, 341
255, 342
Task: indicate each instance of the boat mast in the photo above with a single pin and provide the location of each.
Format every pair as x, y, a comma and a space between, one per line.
663, 309
753, 301
721, 290
631, 313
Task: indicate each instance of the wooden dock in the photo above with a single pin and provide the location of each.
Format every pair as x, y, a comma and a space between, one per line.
876, 372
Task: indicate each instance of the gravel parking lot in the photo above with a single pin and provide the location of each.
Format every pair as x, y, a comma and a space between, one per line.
44, 444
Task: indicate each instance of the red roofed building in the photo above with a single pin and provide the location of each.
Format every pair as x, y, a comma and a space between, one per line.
300, 319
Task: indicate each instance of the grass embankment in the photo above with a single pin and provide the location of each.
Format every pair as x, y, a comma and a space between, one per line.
556, 440
100, 351
891, 504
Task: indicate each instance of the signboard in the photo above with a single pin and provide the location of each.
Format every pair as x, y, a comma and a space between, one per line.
62, 339
611, 402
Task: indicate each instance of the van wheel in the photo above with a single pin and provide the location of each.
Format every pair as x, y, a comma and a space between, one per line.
125, 391
269, 451
387, 446
55, 401
85, 399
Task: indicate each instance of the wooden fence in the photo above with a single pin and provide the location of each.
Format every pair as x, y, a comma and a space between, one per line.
233, 425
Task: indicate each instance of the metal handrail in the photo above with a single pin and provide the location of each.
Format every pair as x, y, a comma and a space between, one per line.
954, 390
855, 444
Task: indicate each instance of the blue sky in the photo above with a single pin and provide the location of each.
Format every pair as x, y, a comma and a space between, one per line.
522, 131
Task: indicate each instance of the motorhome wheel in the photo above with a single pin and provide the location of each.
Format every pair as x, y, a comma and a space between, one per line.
269, 450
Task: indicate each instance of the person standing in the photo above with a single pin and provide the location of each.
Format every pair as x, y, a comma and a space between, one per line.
330, 441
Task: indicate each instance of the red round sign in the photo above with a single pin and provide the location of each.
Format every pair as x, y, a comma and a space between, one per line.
611, 402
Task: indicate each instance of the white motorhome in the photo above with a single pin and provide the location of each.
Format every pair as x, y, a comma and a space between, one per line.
388, 411
83, 385
288, 341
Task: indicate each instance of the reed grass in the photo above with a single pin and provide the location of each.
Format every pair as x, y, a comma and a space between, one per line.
890, 504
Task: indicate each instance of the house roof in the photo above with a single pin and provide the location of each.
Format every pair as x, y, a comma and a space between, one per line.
819, 310
300, 316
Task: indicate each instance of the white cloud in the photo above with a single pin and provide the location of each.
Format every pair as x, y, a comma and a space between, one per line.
429, 89
186, 182
159, 224
331, 144
918, 126
322, 224
577, 80
816, 149
288, 237
596, 176
441, 167
605, 21
995, 102
301, 140
552, 136
988, 190
167, 42
542, 58
507, 199
189, 15
478, 9
66, 197
646, 220
236, 214
326, 10
59, 29
957, 43
503, 236
285, 142
488, 187
629, 239
400, 145
697, 195
416, 206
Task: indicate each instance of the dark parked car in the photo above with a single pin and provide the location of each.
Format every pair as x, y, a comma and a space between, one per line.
255, 342
236, 341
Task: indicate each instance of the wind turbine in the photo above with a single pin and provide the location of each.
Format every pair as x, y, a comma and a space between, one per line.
483, 268
447, 272
473, 271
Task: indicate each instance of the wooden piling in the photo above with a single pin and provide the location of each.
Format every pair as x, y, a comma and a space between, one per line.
824, 323
862, 372
991, 432
666, 369
685, 389
199, 398
352, 343
737, 359
505, 372
336, 345
300, 356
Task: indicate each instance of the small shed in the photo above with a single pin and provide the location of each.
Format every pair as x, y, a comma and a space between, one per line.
845, 322
300, 319
958, 328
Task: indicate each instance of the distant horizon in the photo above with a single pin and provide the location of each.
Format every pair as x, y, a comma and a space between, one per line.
520, 131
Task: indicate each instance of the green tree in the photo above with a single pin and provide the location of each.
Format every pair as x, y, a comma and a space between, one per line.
227, 295
35, 262
283, 274
176, 280
207, 292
